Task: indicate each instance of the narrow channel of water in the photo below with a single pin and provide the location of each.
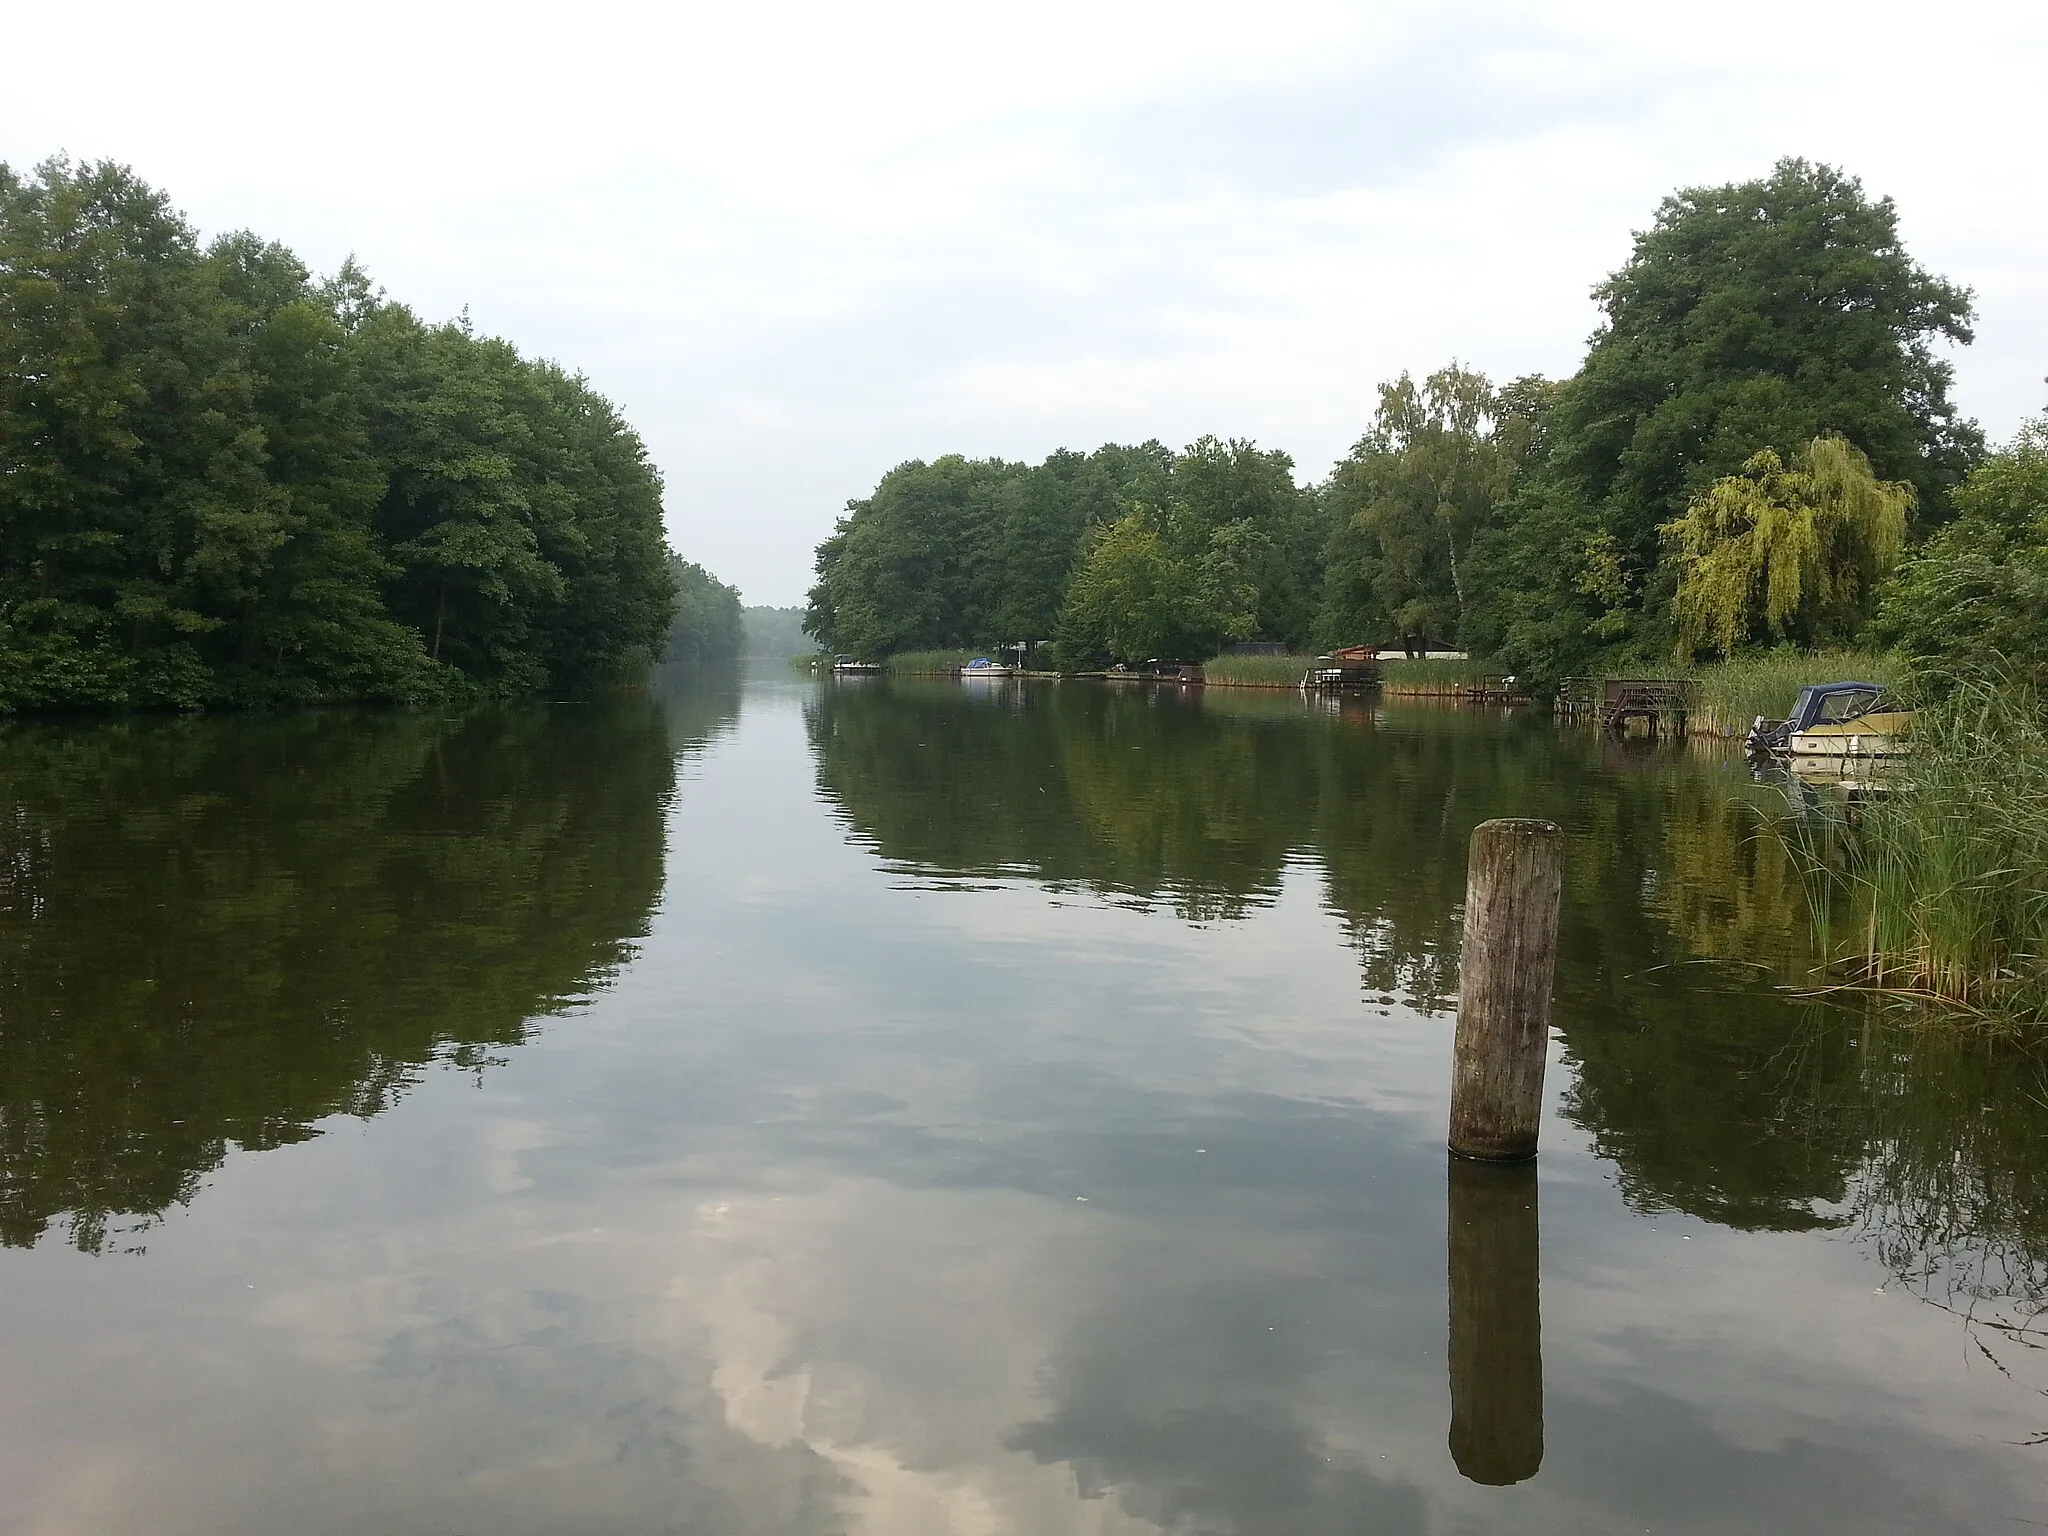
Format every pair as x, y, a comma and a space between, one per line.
898, 1108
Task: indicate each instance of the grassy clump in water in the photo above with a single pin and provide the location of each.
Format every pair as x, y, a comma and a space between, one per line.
1953, 861
1257, 671
1433, 674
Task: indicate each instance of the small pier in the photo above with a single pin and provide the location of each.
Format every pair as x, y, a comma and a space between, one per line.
1495, 690
1662, 704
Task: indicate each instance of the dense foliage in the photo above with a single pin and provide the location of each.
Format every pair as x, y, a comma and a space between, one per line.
1752, 317
1761, 430
1786, 552
1411, 498
1211, 542
224, 482
1976, 597
708, 628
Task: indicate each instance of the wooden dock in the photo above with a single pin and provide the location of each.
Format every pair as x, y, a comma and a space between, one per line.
1662, 704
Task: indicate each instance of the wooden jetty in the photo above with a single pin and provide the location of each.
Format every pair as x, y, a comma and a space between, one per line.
1662, 703
1346, 668
1495, 690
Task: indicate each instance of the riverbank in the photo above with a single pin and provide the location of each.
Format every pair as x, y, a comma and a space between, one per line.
1731, 693
1431, 677
1936, 892
1422, 677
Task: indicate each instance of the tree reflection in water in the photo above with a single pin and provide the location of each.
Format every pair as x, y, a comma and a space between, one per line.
215, 933
1688, 923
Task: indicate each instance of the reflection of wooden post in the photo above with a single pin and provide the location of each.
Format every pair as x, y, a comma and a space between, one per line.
1513, 877
1496, 1323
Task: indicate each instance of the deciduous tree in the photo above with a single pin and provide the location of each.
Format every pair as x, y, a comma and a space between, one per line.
1782, 552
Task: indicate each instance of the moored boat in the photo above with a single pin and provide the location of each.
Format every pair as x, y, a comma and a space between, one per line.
1836, 727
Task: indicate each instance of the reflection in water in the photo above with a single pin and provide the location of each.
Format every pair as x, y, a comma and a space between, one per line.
927, 1173
1711, 1092
1496, 1322
215, 933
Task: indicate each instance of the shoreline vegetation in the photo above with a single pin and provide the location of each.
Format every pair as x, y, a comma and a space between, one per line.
226, 483
1756, 479
1934, 894
1732, 693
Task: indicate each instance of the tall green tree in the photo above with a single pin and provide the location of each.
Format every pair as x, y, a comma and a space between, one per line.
1409, 501
1159, 584
1785, 552
1219, 484
1752, 316
1046, 519
709, 624
221, 482
915, 565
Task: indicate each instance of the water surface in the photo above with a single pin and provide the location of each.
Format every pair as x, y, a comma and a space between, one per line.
912, 1108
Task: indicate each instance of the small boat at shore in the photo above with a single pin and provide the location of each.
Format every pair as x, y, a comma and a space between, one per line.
853, 666
1838, 730
981, 669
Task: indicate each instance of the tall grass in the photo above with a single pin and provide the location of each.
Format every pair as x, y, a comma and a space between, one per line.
1433, 674
1953, 861
1425, 675
1733, 693
1257, 671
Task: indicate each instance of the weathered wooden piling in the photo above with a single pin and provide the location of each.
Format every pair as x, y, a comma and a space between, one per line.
1496, 1323
1513, 878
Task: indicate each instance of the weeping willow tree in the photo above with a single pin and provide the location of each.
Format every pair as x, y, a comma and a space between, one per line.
1786, 552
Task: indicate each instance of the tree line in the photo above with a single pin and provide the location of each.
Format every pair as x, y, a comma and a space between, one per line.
1760, 448
224, 481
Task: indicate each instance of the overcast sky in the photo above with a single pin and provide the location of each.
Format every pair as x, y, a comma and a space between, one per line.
802, 242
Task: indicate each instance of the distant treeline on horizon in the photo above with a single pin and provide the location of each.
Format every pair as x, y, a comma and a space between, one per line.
224, 482
1760, 449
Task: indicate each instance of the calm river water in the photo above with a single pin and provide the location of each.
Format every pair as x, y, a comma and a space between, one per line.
906, 1109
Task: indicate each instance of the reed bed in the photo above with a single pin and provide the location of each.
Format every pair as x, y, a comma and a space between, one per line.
1433, 676
1257, 671
1951, 866
1429, 677
1733, 693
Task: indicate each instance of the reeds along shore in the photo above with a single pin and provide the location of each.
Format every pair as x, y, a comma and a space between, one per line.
1433, 677
1945, 882
1733, 693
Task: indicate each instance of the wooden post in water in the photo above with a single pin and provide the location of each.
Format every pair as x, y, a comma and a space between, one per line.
1496, 1323
1513, 878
